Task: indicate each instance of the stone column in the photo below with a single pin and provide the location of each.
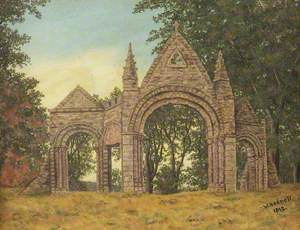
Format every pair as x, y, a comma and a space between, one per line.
52, 159
109, 166
230, 164
61, 169
132, 158
210, 164
105, 168
138, 155
65, 169
127, 162
221, 166
99, 170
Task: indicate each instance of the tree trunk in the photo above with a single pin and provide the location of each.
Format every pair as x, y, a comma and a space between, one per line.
298, 173
294, 166
149, 182
277, 150
149, 186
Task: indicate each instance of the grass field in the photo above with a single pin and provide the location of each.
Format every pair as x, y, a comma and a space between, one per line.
183, 211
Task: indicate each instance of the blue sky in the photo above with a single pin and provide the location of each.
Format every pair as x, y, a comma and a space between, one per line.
85, 42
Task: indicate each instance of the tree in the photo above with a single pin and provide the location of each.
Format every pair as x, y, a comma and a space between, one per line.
23, 127
174, 134
260, 43
153, 147
81, 159
115, 93
116, 180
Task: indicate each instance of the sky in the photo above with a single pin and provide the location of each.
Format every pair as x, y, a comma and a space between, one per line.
85, 42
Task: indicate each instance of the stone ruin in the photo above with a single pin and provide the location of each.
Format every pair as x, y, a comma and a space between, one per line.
176, 77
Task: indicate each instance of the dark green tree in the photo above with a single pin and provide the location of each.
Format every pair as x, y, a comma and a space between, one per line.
153, 147
175, 134
116, 180
260, 43
81, 160
23, 128
114, 94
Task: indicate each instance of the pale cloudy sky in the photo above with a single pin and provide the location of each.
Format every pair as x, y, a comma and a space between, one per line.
85, 42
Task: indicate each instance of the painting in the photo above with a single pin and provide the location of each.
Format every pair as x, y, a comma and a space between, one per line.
146, 114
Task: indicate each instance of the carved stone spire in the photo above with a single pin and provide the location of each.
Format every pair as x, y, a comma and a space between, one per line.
220, 71
176, 26
130, 71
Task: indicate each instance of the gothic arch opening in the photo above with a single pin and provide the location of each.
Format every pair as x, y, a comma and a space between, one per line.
82, 161
246, 166
175, 150
83, 140
176, 96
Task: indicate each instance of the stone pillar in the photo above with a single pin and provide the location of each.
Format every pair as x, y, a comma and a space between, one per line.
52, 169
138, 164
59, 169
132, 158
230, 164
221, 166
210, 164
99, 170
127, 162
105, 169
65, 169
109, 166
216, 165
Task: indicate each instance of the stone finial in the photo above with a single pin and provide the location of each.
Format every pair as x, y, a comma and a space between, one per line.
130, 66
130, 71
220, 70
176, 26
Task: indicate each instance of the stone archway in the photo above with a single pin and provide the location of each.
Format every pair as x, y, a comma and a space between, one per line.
193, 98
253, 173
176, 76
59, 160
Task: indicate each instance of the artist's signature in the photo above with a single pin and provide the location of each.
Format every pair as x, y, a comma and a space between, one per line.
278, 205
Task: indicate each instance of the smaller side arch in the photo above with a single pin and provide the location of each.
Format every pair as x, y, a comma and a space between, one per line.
64, 133
254, 141
59, 178
251, 178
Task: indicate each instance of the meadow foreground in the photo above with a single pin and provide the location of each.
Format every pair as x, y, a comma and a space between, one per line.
184, 211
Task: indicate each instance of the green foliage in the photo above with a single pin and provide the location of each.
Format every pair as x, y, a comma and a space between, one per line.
81, 160
195, 177
116, 180
115, 93
11, 42
164, 181
23, 128
261, 46
116, 153
174, 135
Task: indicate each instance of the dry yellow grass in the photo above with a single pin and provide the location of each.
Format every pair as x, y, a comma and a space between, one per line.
183, 211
